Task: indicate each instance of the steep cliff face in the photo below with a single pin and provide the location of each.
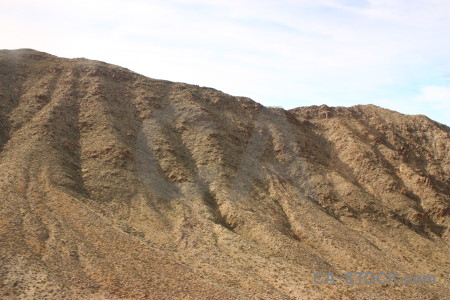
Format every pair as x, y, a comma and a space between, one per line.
114, 185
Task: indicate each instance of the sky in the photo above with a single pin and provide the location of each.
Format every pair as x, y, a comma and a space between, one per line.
391, 53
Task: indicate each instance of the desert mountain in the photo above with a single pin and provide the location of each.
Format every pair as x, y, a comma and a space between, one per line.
118, 186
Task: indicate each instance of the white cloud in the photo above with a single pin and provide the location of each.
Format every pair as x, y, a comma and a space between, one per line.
435, 94
435, 101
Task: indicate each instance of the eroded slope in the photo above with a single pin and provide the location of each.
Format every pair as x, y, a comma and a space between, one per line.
115, 185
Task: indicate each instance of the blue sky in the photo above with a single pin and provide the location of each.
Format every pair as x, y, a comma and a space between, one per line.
392, 53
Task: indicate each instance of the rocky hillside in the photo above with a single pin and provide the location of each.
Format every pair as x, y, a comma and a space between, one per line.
118, 186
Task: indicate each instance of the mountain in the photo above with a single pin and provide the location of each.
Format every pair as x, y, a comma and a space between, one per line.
118, 186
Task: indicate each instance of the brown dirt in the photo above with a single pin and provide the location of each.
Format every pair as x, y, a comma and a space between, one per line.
118, 186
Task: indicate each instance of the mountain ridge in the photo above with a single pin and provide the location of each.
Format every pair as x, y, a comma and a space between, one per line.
121, 186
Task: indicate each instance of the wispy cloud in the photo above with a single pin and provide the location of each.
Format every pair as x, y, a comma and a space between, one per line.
435, 94
435, 99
